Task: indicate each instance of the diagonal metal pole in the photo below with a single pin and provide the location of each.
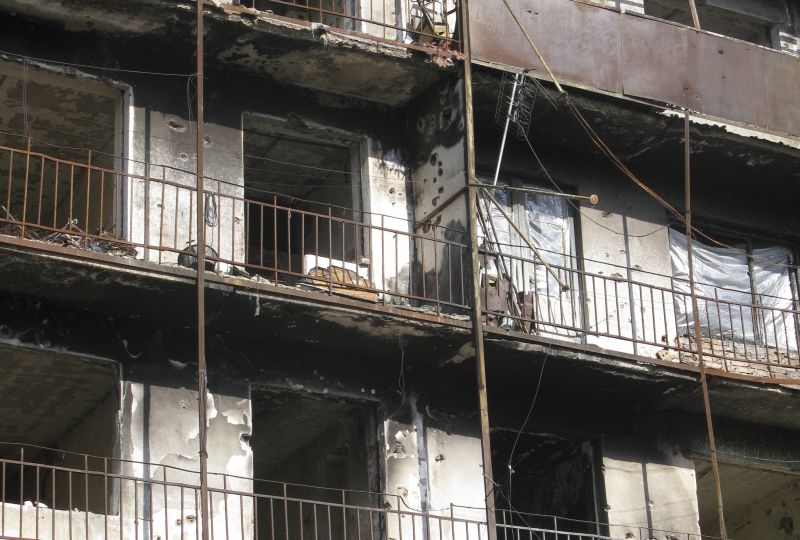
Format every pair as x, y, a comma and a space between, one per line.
202, 379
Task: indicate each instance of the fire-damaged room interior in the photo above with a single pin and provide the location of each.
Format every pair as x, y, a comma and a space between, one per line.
407, 270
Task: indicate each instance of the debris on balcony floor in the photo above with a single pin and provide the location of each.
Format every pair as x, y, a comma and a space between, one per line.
736, 357
68, 236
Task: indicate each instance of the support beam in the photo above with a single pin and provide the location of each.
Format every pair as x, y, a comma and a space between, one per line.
477, 323
712, 445
202, 378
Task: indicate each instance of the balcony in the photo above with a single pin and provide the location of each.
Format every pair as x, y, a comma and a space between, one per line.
382, 262
49, 494
595, 47
428, 23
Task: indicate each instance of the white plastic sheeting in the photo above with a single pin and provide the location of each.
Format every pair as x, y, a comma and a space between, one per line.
547, 221
550, 230
729, 307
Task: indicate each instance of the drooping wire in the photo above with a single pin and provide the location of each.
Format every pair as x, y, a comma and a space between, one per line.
25, 123
617, 162
26, 58
525, 422
401, 378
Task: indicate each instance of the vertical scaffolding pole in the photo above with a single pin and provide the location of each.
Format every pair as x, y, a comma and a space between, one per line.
201, 269
723, 533
477, 324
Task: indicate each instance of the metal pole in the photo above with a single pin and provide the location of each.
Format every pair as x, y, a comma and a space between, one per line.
477, 324
723, 533
695, 17
202, 380
505, 129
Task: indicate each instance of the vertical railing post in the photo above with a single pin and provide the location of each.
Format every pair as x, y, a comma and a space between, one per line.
24, 216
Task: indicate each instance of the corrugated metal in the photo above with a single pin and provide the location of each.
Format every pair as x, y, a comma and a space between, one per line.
644, 58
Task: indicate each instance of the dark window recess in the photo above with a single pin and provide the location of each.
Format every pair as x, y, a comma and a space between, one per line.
301, 197
82, 406
714, 19
759, 502
326, 450
549, 475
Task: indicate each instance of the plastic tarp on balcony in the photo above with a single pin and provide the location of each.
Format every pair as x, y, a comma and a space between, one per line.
548, 224
729, 306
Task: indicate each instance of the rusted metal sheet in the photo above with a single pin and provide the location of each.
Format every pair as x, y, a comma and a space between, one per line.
642, 57
782, 73
727, 79
666, 45
584, 42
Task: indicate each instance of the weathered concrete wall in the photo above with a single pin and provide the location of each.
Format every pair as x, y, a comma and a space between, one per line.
625, 237
642, 495
428, 469
47, 524
386, 208
162, 147
159, 432
436, 126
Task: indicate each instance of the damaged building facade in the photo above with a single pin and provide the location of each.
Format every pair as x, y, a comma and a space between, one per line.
398, 195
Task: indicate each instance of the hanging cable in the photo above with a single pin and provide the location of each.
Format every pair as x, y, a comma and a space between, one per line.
88, 66
510, 462
611, 155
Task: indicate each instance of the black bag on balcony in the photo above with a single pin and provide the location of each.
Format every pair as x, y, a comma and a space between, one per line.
188, 258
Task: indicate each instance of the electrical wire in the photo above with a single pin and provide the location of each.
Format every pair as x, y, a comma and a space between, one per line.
88, 66
401, 378
525, 422
575, 206
769, 460
25, 99
597, 140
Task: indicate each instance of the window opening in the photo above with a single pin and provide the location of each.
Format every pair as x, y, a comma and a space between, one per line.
759, 503
82, 406
714, 19
303, 193
551, 476
321, 446
68, 118
548, 221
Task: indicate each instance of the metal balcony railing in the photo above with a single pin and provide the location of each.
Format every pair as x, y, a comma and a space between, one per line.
411, 22
513, 525
643, 313
54, 494
380, 259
